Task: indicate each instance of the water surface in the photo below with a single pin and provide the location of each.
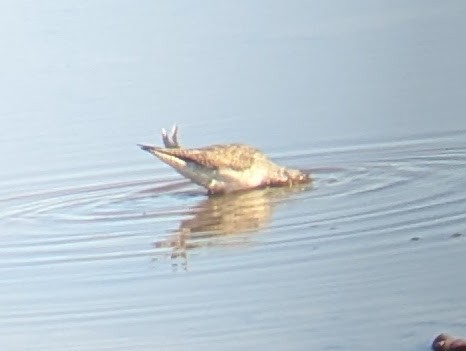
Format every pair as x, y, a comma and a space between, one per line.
105, 248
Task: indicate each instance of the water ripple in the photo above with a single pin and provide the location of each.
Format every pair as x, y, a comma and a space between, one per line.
378, 191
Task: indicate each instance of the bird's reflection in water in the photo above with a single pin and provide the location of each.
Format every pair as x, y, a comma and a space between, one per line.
218, 218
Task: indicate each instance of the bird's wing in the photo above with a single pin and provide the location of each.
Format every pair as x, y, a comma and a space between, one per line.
235, 156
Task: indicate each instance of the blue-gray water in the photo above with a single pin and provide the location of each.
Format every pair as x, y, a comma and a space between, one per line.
105, 248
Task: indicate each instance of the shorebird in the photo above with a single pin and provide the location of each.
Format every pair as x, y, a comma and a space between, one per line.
224, 168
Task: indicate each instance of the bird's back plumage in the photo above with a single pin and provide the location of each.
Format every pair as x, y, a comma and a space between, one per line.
235, 156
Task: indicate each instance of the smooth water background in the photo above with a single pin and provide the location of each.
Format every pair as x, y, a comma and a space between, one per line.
105, 248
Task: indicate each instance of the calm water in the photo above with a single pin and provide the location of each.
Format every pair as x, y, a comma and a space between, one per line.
105, 248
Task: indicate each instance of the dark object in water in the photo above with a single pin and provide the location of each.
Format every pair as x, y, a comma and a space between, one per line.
445, 342
224, 168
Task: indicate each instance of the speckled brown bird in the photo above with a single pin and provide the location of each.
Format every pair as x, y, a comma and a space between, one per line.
224, 168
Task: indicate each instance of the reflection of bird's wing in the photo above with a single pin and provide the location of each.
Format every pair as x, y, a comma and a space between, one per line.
235, 156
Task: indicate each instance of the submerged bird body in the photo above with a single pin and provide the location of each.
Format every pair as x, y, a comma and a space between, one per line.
226, 167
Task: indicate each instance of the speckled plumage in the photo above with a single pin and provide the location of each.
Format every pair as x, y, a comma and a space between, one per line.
225, 167
235, 156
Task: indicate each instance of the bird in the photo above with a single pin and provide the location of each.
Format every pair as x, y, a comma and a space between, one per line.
224, 168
